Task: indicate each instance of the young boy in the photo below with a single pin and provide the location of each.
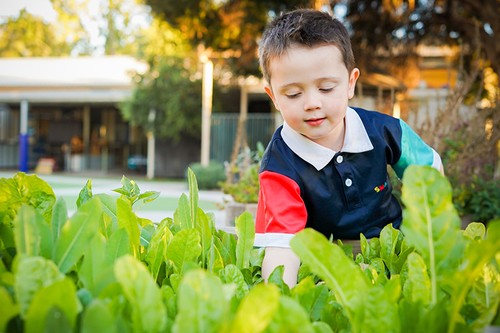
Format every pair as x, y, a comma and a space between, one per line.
326, 167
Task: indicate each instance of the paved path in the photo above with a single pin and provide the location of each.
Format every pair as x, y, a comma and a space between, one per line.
71, 184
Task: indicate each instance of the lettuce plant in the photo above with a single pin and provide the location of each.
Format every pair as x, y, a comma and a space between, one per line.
106, 269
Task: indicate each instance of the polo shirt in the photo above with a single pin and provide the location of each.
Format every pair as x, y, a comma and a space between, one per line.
341, 194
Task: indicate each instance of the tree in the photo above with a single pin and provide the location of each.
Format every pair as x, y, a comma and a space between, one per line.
225, 30
170, 86
168, 94
29, 36
398, 26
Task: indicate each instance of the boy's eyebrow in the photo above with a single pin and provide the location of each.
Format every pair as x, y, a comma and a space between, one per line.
319, 80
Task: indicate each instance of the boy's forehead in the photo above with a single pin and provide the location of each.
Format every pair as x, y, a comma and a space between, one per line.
305, 56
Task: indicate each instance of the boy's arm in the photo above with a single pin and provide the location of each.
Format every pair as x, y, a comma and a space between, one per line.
277, 256
414, 151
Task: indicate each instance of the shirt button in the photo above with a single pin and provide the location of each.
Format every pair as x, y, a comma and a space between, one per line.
348, 182
340, 159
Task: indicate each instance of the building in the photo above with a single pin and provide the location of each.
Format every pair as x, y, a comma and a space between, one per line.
72, 111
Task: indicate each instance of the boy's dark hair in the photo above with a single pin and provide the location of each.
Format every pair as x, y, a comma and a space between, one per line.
305, 27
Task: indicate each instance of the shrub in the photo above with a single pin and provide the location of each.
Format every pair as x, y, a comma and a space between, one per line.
479, 199
209, 177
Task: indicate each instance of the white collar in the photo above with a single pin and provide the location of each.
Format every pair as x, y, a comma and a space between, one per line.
356, 140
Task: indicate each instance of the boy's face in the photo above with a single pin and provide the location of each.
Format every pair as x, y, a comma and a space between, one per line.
311, 88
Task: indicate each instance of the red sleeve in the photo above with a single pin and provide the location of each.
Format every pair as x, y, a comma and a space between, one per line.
280, 208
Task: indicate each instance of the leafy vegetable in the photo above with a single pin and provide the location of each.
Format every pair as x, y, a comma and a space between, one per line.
106, 269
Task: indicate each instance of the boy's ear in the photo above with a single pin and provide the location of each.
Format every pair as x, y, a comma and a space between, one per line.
269, 93
352, 82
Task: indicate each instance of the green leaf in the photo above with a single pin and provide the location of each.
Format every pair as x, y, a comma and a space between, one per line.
476, 257
110, 220
245, 232
32, 233
214, 261
157, 250
290, 317
321, 327
128, 221
226, 244
60, 295
59, 217
8, 310
205, 227
25, 189
232, 275
98, 318
85, 194
33, 274
148, 196
380, 309
129, 190
148, 313
329, 262
76, 234
193, 197
417, 285
96, 271
431, 223
7, 245
182, 214
276, 277
389, 241
483, 298
475, 231
257, 309
184, 247
312, 297
202, 307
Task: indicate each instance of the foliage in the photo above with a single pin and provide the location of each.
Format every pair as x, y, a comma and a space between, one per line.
166, 100
226, 29
30, 36
402, 25
106, 269
476, 196
479, 199
209, 177
245, 187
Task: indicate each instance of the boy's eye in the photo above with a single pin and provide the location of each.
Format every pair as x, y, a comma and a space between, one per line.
325, 89
292, 95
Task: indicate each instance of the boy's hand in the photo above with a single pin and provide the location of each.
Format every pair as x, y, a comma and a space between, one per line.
277, 256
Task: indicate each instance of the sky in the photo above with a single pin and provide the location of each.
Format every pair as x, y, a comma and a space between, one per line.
41, 8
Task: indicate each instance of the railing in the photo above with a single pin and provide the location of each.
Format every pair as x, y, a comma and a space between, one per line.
260, 128
9, 155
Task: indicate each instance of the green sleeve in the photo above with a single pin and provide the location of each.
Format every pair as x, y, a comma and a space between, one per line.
414, 151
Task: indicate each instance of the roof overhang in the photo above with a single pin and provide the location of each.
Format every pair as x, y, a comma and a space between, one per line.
105, 79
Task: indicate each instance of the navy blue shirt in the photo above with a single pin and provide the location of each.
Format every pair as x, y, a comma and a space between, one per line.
340, 194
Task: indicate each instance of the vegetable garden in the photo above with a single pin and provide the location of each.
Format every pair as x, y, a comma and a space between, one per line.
105, 269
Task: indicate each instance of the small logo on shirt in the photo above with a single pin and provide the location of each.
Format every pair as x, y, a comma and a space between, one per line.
380, 187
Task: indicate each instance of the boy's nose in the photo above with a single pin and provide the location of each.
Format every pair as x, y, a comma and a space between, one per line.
311, 102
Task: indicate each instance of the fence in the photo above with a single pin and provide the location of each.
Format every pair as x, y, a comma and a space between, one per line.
260, 128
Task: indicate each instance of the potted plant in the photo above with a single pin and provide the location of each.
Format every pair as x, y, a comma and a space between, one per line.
242, 184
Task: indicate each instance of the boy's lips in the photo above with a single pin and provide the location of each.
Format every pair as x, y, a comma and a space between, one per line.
315, 121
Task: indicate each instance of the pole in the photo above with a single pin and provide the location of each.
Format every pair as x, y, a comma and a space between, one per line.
150, 166
206, 109
24, 138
